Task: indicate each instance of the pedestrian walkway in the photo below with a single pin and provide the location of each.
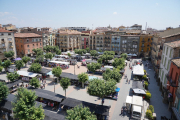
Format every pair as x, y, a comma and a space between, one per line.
160, 108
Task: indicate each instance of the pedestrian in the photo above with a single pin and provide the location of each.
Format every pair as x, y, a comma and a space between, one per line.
121, 111
44, 85
102, 101
129, 81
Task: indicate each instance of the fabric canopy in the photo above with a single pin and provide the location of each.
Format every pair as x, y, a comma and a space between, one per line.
69, 75
137, 84
117, 89
17, 59
139, 91
138, 70
98, 109
28, 74
51, 115
14, 83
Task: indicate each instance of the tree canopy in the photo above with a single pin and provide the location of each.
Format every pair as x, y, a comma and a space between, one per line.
39, 58
112, 74
9, 54
65, 83
19, 64
93, 67
80, 113
24, 106
107, 55
124, 55
4, 91
80, 51
94, 53
25, 59
83, 77
87, 49
101, 88
119, 62
38, 51
57, 71
49, 56
12, 76
6, 64
35, 67
35, 82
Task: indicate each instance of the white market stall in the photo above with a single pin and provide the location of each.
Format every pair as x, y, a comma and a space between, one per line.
63, 65
138, 70
26, 76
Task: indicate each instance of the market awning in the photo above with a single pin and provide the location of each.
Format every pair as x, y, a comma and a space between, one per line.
51, 115
176, 113
69, 75
43, 71
138, 70
28, 74
98, 109
139, 91
48, 94
91, 61
137, 84
11, 84
117, 89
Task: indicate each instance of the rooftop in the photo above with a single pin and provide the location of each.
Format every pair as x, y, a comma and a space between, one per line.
4, 31
173, 44
23, 35
69, 32
176, 62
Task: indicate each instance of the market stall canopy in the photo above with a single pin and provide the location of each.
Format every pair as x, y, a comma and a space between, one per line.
129, 99
138, 70
6, 104
69, 75
139, 91
49, 73
43, 71
107, 67
137, 100
130, 54
91, 61
110, 61
17, 59
11, 84
48, 94
87, 54
59, 62
27, 74
137, 84
134, 55
51, 115
98, 109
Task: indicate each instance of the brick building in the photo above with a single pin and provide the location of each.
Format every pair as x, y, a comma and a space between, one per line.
26, 42
85, 37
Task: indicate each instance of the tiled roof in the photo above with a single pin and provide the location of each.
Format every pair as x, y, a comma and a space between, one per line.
23, 35
173, 44
69, 32
176, 62
4, 31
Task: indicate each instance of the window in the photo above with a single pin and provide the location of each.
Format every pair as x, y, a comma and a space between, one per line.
2, 34
40, 44
162, 75
4, 50
36, 44
9, 39
36, 40
167, 51
33, 45
28, 50
21, 46
170, 53
168, 65
162, 59
27, 45
27, 40
21, 40
165, 62
159, 72
165, 80
9, 33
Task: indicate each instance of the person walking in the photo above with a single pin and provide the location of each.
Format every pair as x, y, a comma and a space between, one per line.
129, 81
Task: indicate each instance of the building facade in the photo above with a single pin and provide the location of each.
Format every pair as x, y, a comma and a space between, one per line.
7, 43
9, 26
115, 43
80, 29
85, 37
26, 42
68, 40
145, 45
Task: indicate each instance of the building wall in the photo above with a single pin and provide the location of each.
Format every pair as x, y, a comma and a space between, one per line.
7, 43
107, 42
24, 46
85, 42
145, 43
99, 42
174, 75
115, 43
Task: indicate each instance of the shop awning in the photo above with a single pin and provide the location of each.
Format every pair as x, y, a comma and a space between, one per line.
27, 74
69, 75
48, 94
51, 115
11, 84
176, 113
91, 61
139, 91
43, 71
137, 84
98, 109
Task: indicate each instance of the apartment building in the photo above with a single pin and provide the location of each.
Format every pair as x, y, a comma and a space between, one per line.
26, 42
9, 27
115, 43
130, 44
80, 29
7, 43
85, 37
133, 27
68, 40
145, 44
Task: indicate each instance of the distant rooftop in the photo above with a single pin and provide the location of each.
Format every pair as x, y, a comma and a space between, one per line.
4, 31
23, 35
176, 62
173, 44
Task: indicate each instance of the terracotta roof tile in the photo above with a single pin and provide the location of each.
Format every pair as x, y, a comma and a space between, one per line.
173, 44
23, 35
5, 31
176, 62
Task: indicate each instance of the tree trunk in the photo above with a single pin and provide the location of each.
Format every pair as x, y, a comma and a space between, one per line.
82, 84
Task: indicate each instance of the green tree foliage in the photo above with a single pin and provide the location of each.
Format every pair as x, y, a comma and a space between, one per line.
94, 53
12, 76
146, 84
24, 106
80, 51
35, 67
124, 55
26, 59
83, 77
93, 67
65, 83
58, 52
1, 68
87, 49
112, 74
57, 71
107, 55
9, 54
38, 51
69, 55
80, 113
144, 71
119, 63
0, 63
6, 64
101, 88
144, 77
149, 114
148, 95
100, 50
35, 82
47, 48
151, 107
4, 91
19, 64
39, 58
49, 56
99, 61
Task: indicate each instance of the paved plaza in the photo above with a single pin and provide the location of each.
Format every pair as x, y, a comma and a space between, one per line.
160, 108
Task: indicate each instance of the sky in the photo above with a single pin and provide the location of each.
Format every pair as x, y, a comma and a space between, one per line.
158, 14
